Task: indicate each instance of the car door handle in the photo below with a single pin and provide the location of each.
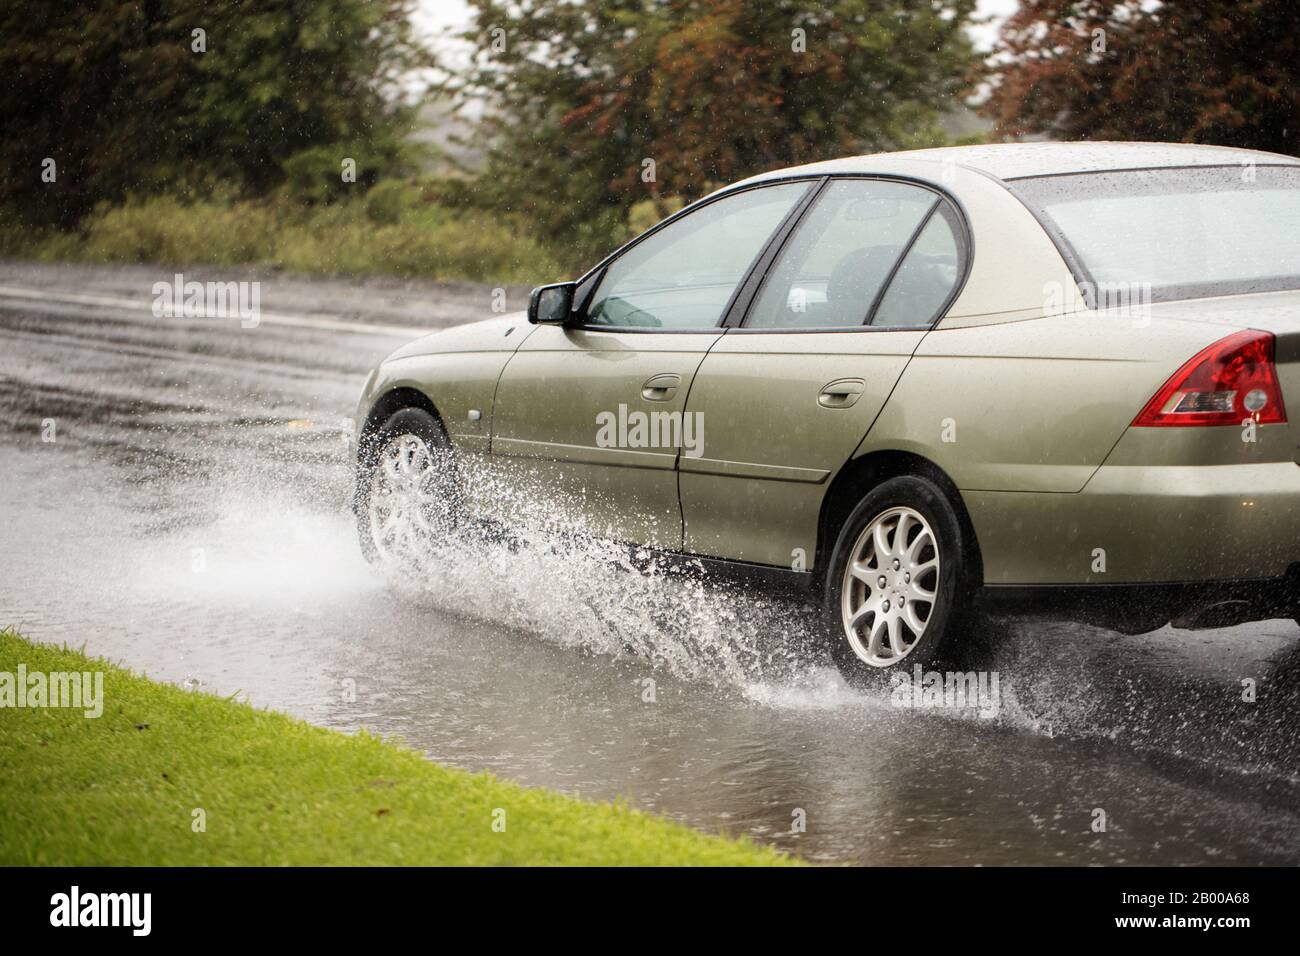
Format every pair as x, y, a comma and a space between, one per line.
841, 393
660, 388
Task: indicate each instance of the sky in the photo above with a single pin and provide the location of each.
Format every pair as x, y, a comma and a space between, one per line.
434, 15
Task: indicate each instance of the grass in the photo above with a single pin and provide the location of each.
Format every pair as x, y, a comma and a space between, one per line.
408, 238
122, 789
399, 228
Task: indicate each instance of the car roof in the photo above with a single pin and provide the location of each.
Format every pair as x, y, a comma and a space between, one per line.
1017, 160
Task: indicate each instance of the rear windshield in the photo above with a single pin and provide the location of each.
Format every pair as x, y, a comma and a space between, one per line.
1177, 233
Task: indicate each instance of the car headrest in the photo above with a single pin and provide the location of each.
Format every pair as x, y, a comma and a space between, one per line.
857, 277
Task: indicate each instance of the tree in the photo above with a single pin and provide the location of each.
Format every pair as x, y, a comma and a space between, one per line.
142, 96
1201, 71
597, 104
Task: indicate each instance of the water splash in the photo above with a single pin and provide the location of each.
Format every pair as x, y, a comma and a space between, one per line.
552, 576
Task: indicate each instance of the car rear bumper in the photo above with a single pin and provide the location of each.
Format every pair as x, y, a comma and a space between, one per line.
1145, 525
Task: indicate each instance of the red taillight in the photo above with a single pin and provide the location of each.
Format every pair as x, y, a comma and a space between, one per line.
1230, 381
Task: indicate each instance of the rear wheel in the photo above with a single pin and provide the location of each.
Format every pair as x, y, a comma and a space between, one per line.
899, 578
407, 497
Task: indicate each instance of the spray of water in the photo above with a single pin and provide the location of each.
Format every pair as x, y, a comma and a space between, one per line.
551, 574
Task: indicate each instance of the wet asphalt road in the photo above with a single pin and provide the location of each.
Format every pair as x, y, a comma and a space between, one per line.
190, 520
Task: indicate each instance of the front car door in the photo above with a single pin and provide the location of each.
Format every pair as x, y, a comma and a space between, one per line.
588, 418
789, 394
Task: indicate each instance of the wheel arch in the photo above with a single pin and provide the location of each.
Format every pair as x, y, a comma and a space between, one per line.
860, 475
388, 404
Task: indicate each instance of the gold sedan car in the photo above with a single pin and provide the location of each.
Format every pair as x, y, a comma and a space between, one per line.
1044, 377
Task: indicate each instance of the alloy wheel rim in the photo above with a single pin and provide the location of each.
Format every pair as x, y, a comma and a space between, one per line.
406, 506
890, 586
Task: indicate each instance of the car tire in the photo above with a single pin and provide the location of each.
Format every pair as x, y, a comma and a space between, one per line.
409, 455
881, 603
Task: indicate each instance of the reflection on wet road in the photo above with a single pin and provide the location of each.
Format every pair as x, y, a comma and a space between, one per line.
190, 520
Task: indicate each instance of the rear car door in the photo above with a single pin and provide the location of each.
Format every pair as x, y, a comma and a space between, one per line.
788, 395
588, 417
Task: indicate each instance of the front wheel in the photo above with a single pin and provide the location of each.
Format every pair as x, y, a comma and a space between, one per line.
407, 500
898, 580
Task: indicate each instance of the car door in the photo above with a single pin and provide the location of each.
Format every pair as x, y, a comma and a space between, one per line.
788, 395
588, 417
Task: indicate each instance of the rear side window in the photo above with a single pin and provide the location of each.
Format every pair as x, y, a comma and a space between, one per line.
834, 267
926, 276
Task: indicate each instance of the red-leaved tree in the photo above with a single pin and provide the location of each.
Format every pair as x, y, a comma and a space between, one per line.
1202, 71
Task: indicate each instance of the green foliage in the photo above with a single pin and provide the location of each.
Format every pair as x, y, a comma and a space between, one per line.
583, 93
387, 203
122, 790
578, 94
1215, 71
474, 248
117, 95
164, 229
411, 239
650, 212
316, 176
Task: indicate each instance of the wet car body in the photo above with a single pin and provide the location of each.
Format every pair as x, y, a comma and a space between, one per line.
973, 352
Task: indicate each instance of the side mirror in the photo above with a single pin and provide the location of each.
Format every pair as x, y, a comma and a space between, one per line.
551, 304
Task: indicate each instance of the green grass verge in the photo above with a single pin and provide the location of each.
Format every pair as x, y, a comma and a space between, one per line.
121, 789
418, 241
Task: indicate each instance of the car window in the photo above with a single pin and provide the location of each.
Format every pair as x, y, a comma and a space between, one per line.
926, 277
1177, 233
840, 257
683, 276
